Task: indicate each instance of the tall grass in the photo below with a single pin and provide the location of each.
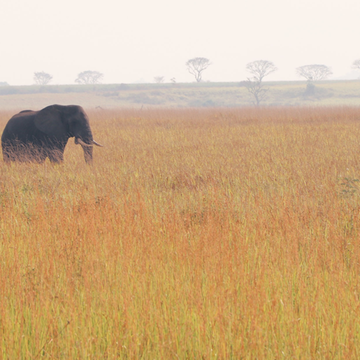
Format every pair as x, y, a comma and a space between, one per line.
195, 234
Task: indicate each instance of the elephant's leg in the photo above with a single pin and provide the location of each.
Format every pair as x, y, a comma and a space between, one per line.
56, 156
6, 158
10, 153
6, 155
34, 153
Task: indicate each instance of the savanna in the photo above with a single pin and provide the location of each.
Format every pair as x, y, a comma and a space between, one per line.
196, 234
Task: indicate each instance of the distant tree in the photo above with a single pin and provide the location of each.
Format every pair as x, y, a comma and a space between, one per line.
258, 69
159, 79
313, 73
356, 64
173, 80
42, 78
89, 77
257, 89
196, 66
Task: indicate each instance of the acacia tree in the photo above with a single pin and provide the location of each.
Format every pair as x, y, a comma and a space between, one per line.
258, 69
257, 89
313, 73
42, 78
89, 77
196, 66
159, 79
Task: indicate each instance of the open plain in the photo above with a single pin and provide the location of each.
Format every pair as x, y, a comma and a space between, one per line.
196, 234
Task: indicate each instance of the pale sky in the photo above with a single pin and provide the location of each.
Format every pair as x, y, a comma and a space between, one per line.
136, 40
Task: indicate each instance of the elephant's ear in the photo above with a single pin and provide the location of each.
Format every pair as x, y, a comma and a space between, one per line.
48, 121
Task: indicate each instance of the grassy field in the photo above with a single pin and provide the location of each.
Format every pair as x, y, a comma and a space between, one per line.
196, 234
204, 95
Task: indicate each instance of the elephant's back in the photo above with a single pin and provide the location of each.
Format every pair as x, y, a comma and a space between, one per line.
19, 126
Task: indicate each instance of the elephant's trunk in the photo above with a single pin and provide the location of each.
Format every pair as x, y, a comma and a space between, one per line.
88, 153
88, 149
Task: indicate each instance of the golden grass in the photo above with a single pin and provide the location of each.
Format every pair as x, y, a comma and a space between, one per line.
195, 234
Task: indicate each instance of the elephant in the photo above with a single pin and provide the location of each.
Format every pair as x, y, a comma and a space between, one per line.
33, 136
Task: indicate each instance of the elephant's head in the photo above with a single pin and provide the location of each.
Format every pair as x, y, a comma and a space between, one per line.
61, 122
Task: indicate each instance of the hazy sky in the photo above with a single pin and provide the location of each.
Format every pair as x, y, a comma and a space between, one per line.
135, 40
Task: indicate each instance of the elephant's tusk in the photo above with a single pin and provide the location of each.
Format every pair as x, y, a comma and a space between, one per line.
97, 144
79, 141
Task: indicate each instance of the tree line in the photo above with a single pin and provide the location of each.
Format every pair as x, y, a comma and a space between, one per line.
258, 70
85, 77
261, 68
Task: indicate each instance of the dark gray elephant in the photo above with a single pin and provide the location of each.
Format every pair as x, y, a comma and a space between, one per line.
32, 136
